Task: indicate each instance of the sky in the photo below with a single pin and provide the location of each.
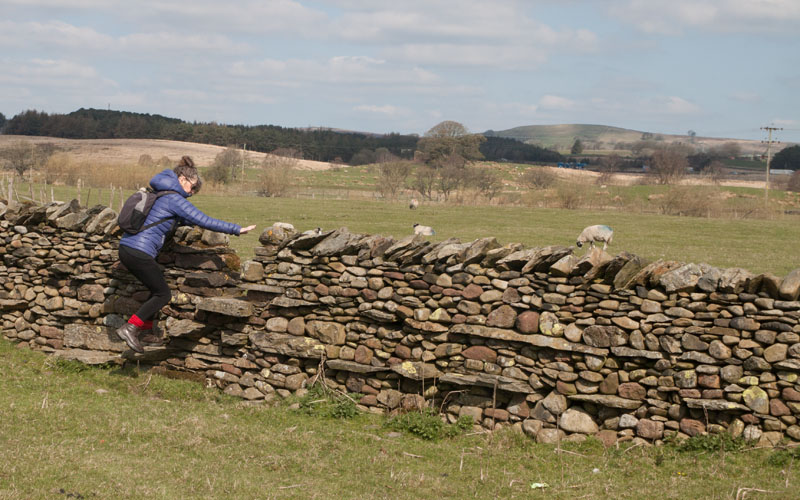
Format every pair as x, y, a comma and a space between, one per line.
722, 68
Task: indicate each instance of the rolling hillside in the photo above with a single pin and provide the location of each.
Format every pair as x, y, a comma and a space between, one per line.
563, 136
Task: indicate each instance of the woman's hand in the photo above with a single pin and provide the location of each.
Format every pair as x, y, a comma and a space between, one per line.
247, 229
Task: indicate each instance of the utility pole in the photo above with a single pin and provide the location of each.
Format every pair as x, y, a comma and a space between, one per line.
244, 157
769, 142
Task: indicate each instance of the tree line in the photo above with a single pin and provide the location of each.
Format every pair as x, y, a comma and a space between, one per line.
311, 144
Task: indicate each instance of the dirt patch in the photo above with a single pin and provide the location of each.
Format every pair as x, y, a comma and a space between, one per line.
128, 151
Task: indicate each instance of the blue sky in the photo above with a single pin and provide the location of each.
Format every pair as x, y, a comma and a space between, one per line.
723, 68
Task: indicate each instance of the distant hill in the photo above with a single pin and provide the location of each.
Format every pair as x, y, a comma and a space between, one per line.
562, 136
606, 137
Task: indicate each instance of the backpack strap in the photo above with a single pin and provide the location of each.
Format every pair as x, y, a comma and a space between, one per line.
159, 194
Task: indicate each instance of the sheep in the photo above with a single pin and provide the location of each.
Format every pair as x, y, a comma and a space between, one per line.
413, 204
423, 230
594, 234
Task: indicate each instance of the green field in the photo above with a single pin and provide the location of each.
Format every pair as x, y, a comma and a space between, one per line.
69, 431
758, 245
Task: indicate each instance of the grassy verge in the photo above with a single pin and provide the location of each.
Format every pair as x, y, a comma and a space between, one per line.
74, 432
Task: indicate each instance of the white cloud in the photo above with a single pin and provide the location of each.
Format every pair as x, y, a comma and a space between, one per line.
54, 74
785, 122
160, 43
51, 33
359, 70
554, 102
666, 105
746, 97
672, 17
387, 110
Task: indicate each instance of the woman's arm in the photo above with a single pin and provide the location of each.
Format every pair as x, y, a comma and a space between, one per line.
190, 213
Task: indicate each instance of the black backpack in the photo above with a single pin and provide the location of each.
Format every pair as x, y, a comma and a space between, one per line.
134, 211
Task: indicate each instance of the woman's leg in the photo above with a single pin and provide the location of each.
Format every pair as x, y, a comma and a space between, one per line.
148, 272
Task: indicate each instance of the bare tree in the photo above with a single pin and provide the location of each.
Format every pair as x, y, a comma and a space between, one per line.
450, 178
425, 181
669, 165
393, 177
609, 165
23, 156
486, 182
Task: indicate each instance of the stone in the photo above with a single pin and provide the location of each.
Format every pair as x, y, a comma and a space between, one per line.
756, 399
481, 353
574, 420
326, 331
528, 322
599, 336
549, 436
692, 427
790, 286
775, 353
632, 390
555, 403
226, 306
531, 427
502, 317
549, 325
650, 429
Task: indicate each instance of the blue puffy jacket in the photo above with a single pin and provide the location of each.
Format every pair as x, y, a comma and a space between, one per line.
179, 209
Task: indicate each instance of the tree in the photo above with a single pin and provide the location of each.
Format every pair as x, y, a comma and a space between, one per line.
425, 181
22, 156
450, 144
486, 182
669, 165
393, 177
577, 147
727, 150
786, 159
226, 166
449, 180
2, 121
692, 134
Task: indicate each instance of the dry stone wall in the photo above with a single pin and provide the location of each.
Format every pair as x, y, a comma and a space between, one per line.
559, 345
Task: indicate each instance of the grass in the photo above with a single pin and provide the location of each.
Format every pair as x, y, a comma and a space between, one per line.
758, 245
111, 433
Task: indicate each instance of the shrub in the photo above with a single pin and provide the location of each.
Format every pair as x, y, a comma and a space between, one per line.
708, 443
428, 424
323, 402
146, 160
693, 201
277, 175
794, 182
571, 196
538, 178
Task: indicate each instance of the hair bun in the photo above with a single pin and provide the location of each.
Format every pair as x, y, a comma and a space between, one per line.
186, 161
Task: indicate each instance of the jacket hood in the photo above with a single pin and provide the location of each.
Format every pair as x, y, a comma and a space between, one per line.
167, 180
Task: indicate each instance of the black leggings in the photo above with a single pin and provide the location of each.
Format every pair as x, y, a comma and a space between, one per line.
147, 270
